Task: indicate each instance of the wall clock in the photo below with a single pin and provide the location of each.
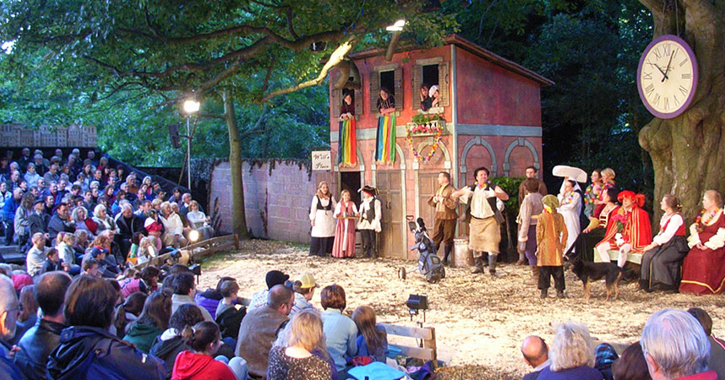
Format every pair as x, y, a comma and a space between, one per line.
667, 76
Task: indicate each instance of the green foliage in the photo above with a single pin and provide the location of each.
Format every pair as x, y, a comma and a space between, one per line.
422, 119
511, 186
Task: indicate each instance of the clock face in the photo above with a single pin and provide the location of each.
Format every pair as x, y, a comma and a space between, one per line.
667, 76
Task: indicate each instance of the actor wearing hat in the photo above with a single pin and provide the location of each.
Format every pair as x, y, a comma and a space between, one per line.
630, 230
304, 288
369, 222
551, 237
485, 202
445, 215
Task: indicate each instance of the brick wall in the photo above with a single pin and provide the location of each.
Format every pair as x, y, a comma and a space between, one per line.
277, 203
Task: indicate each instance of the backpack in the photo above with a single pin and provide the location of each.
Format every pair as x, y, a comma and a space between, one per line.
230, 320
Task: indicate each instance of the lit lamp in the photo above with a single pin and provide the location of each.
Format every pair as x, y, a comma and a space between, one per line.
191, 106
194, 236
397, 29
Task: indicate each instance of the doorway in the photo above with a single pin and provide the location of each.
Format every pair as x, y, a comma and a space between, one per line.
350, 181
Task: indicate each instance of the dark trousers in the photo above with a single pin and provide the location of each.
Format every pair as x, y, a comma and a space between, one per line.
443, 231
545, 274
321, 245
369, 245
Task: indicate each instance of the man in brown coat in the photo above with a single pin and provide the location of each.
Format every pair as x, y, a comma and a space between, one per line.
531, 172
445, 216
260, 327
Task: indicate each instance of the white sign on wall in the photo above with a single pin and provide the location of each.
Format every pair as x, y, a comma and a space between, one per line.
321, 160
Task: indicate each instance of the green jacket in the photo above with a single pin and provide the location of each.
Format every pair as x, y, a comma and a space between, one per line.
142, 335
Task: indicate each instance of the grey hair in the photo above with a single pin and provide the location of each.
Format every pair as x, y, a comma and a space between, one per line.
98, 209
126, 205
7, 293
572, 347
74, 215
676, 341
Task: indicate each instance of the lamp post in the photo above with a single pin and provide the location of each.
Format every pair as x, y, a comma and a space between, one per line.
397, 30
191, 106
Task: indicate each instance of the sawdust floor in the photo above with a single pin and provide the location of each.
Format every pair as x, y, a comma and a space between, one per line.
479, 321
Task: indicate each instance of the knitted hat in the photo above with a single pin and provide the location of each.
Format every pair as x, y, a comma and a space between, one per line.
275, 277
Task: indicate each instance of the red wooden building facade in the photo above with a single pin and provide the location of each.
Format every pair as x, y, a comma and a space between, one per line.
492, 112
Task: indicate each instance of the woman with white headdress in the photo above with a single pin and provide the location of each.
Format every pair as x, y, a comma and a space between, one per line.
570, 205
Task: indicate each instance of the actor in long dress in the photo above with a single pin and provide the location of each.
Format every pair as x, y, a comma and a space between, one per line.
485, 202
322, 221
369, 221
593, 193
445, 215
608, 182
635, 233
570, 206
661, 261
530, 207
551, 237
596, 230
344, 245
703, 271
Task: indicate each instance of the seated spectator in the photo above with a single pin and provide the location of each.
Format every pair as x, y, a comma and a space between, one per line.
35, 258
373, 339
127, 313
702, 269
90, 268
536, 354
38, 219
304, 288
22, 222
52, 174
53, 262
49, 204
24, 158
227, 315
199, 221
5, 194
186, 202
292, 356
210, 298
143, 209
83, 221
10, 309
203, 340
170, 344
631, 364
60, 222
176, 195
174, 235
31, 175
154, 319
81, 242
260, 298
340, 330
146, 282
184, 289
41, 164
605, 355
104, 221
42, 338
128, 224
9, 209
88, 311
116, 206
260, 328
717, 346
147, 249
28, 314
571, 354
184, 220
675, 346
132, 254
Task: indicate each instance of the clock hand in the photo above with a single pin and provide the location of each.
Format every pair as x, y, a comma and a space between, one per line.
662, 71
667, 69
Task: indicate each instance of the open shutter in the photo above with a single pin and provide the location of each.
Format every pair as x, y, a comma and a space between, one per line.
398, 81
335, 99
417, 82
358, 102
374, 91
444, 85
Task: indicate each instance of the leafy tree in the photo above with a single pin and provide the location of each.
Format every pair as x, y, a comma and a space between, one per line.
231, 52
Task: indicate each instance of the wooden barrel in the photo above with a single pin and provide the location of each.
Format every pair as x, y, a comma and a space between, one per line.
462, 256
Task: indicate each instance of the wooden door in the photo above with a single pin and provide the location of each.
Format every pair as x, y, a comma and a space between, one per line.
428, 185
391, 240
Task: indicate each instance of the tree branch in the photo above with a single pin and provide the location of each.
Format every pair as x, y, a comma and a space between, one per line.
256, 129
336, 57
269, 74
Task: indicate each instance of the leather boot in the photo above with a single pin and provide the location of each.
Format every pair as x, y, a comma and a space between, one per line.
522, 259
544, 293
478, 262
492, 263
448, 248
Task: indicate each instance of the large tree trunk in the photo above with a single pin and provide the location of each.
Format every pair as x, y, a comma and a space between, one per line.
688, 152
239, 220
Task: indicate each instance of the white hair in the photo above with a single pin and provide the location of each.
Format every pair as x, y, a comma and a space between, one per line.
98, 209
8, 300
572, 347
676, 341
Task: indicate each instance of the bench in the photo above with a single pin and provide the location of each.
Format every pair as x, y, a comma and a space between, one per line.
632, 257
428, 351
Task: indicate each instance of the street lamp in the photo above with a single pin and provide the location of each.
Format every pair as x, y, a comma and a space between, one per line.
190, 106
397, 30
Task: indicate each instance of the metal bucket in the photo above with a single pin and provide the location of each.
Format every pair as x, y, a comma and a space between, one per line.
462, 256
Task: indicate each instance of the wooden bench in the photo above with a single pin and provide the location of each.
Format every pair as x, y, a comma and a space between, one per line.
614, 255
426, 334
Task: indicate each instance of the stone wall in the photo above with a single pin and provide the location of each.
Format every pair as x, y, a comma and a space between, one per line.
277, 201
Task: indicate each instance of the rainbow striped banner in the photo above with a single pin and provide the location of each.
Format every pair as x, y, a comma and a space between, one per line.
347, 144
385, 144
